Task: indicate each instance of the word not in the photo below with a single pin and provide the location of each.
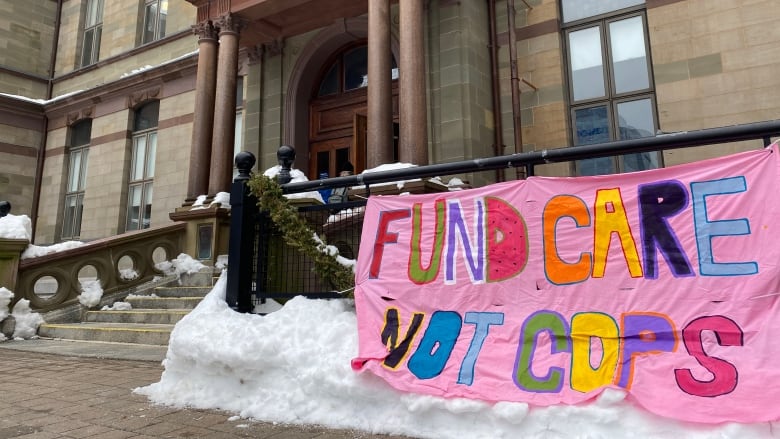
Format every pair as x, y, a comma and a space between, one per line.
638, 334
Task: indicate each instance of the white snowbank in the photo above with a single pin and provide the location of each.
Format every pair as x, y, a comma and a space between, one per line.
128, 274
222, 199
33, 251
15, 227
118, 306
91, 293
293, 366
183, 264
27, 322
5, 299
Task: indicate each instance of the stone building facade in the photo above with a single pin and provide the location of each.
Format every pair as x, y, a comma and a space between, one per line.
113, 114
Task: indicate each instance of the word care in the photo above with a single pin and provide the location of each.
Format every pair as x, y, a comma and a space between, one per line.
663, 283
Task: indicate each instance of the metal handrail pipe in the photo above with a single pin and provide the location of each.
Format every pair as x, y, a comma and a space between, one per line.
684, 139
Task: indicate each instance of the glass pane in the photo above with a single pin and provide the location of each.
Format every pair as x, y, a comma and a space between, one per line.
579, 9
330, 83
146, 116
238, 139
92, 13
96, 49
150, 22
356, 68
80, 133
69, 216
239, 91
323, 163
342, 161
163, 18
83, 170
587, 65
151, 155
79, 211
635, 120
148, 192
133, 207
139, 158
629, 57
86, 49
74, 171
592, 126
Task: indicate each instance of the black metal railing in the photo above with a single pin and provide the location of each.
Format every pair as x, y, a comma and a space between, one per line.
252, 236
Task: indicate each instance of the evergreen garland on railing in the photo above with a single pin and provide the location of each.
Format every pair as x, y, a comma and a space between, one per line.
297, 234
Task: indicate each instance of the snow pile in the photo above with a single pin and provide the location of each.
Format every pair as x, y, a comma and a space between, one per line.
222, 262
135, 71
15, 227
345, 213
34, 251
5, 299
293, 366
297, 177
91, 293
183, 264
222, 199
118, 306
128, 274
27, 322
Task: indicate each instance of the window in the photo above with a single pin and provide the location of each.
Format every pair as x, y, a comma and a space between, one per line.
610, 82
348, 72
140, 190
78, 152
93, 28
238, 140
155, 14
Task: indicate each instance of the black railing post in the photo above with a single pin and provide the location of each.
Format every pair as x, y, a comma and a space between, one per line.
243, 209
5, 208
286, 156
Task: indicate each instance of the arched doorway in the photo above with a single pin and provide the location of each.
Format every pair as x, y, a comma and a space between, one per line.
313, 62
337, 113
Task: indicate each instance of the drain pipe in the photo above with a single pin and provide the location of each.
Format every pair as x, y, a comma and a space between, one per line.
498, 144
515, 84
45, 134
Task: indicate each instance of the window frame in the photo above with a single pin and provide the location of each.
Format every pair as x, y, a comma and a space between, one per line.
611, 97
74, 223
96, 28
158, 33
146, 181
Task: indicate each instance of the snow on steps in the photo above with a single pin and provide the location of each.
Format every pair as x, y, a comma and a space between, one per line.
150, 321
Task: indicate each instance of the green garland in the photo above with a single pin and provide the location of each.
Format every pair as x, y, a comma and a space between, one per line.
297, 234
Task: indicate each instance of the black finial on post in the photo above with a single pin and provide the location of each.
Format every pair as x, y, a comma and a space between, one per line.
5, 208
286, 156
244, 162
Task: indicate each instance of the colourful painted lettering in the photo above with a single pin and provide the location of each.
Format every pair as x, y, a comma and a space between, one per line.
557, 330
558, 271
724, 374
611, 219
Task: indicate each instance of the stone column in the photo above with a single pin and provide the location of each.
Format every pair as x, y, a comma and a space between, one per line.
203, 117
380, 97
413, 142
225, 105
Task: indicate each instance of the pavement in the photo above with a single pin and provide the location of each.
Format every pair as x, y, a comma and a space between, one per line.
68, 389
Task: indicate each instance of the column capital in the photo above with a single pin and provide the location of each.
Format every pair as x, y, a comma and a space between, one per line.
255, 54
230, 24
205, 30
275, 47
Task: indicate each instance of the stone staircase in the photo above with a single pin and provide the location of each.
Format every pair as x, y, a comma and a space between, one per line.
149, 322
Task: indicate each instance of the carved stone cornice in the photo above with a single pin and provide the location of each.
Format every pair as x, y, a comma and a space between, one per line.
143, 95
205, 30
275, 47
255, 54
84, 113
230, 24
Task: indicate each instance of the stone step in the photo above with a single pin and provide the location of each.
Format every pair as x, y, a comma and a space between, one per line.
182, 291
153, 316
149, 334
152, 302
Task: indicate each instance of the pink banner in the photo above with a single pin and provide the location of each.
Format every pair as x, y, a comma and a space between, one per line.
663, 283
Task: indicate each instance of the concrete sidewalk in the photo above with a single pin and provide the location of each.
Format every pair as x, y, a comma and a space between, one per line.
71, 394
